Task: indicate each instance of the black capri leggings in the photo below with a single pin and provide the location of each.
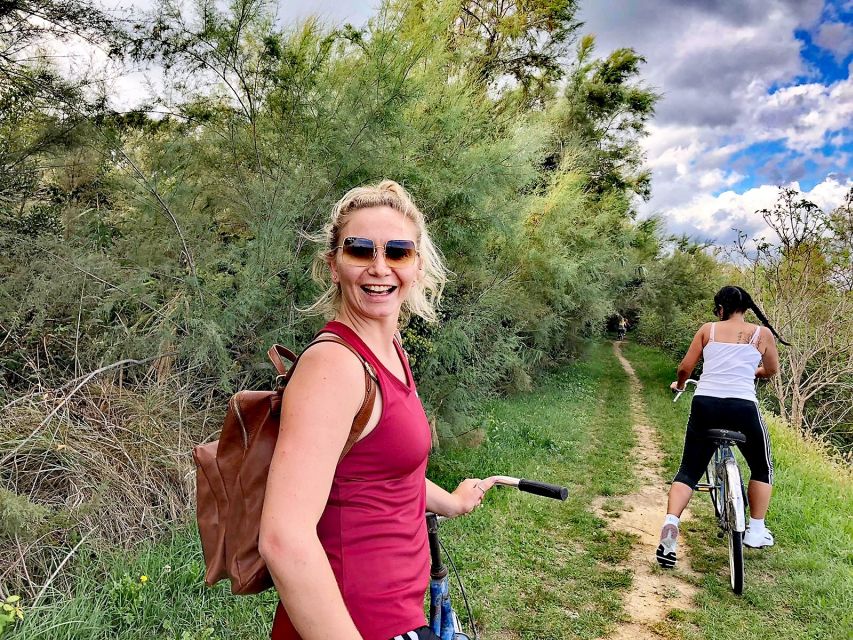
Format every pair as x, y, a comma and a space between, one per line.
421, 633
734, 414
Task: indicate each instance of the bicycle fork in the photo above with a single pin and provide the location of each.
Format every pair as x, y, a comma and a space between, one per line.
443, 619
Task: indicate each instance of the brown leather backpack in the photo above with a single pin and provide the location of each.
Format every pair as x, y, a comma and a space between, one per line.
231, 475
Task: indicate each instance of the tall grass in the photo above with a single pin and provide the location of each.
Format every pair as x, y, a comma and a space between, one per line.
110, 468
534, 568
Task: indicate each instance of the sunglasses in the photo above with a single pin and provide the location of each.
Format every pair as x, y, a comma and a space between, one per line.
361, 252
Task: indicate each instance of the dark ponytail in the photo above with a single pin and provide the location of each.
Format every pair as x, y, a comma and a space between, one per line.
732, 299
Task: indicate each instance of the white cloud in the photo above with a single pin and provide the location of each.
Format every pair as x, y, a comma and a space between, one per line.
805, 115
711, 217
716, 178
836, 37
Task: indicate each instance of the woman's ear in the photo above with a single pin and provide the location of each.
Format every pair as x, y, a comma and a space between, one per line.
333, 269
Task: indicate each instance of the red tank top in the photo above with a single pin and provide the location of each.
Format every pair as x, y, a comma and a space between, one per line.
373, 528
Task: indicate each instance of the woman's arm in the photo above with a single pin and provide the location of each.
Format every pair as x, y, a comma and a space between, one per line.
321, 400
769, 357
467, 496
691, 358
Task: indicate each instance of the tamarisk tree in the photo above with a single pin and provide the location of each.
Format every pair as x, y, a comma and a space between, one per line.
805, 284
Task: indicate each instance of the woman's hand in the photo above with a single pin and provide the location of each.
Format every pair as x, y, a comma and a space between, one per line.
469, 494
464, 499
674, 386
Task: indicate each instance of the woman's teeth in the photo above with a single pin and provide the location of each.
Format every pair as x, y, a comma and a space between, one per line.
376, 289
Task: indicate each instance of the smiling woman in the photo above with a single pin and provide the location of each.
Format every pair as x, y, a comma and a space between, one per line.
373, 203
344, 537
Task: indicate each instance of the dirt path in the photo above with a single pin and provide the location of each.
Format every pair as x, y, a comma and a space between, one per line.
653, 592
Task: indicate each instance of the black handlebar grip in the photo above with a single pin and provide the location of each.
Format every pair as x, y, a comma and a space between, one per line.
543, 489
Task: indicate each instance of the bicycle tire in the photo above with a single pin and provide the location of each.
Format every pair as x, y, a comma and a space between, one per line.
733, 502
736, 561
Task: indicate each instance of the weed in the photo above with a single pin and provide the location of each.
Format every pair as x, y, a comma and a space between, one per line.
11, 612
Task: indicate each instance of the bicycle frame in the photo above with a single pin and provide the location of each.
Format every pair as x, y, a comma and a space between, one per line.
442, 618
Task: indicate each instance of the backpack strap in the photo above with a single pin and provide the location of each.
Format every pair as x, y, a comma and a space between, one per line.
362, 416
276, 354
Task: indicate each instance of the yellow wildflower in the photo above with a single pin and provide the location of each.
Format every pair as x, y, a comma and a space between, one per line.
143, 579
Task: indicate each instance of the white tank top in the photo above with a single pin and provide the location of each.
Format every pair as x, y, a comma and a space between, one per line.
729, 368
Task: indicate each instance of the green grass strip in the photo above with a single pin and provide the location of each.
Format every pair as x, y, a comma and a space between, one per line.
800, 588
535, 568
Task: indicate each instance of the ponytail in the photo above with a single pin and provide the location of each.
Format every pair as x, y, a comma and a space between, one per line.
750, 304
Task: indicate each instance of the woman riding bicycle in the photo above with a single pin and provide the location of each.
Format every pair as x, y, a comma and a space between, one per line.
622, 327
735, 352
345, 540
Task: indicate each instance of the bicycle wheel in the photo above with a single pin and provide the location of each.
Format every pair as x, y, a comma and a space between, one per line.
733, 522
736, 561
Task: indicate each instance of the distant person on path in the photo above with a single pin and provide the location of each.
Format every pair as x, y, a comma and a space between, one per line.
346, 542
734, 353
623, 327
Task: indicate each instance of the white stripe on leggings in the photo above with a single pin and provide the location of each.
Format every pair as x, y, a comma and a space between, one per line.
767, 454
410, 635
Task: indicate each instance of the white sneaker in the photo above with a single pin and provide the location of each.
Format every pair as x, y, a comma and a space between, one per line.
758, 539
665, 553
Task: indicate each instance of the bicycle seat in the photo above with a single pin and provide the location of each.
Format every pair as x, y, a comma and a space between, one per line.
725, 434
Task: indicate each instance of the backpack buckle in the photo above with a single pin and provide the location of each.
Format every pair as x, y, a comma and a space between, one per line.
280, 381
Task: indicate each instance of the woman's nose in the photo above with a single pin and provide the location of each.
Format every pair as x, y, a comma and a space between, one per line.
379, 266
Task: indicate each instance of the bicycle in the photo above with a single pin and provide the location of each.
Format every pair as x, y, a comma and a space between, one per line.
443, 620
725, 488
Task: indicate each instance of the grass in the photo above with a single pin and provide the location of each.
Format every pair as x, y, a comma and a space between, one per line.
534, 568
800, 588
113, 601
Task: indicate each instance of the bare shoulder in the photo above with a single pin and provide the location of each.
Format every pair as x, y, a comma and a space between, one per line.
331, 364
322, 398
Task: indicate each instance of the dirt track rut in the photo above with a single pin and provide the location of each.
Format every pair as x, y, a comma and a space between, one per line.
653, 593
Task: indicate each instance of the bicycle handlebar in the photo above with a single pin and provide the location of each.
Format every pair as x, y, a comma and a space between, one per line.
678, 393
532, 486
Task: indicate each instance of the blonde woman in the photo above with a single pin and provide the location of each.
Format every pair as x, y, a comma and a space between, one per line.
346, 541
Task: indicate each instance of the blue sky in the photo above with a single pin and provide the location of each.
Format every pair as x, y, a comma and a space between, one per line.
756, 94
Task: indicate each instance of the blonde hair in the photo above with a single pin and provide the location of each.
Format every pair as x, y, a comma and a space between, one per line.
425, 293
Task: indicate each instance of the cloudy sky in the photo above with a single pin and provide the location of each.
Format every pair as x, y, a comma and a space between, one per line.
756, 94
